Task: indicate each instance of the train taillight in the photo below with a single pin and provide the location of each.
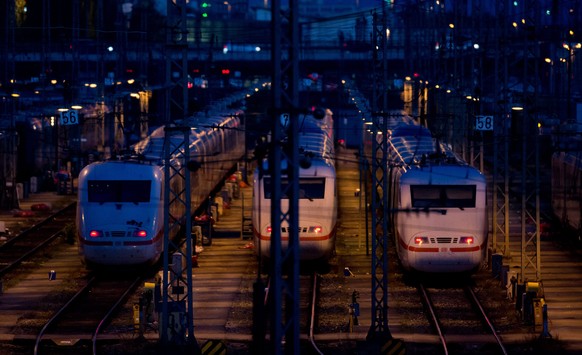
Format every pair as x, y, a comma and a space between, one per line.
140, 233
467, 240
95, 234
420, 240
269, 229
316, 229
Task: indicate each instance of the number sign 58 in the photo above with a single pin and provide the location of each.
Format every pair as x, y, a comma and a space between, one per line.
484, 123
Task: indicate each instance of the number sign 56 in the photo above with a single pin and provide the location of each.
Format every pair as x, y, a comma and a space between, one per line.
69, 117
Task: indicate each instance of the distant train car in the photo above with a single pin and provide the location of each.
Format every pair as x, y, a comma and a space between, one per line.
437, 204
120, 208
317, 196
567, 189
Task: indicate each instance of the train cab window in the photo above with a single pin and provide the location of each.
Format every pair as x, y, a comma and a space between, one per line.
439, 196
310, 189
135, 191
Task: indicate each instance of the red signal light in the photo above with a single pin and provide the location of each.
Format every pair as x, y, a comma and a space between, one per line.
225, 71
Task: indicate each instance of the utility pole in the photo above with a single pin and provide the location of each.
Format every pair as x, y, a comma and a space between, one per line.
8, 198
500, 205
530, 161
177, 320
176, 56
285, 40
379, 332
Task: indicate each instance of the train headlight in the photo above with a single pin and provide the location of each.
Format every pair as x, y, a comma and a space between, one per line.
315, 229
95, 234
467, 240
420, 240
140, 233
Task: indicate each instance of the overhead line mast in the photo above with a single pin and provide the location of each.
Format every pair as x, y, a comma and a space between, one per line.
177, 319
379, 331
285, 99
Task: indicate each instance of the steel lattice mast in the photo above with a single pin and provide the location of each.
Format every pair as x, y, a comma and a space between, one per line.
530, 164
177, 318
284, 265
500, 205
379, 327
177, 287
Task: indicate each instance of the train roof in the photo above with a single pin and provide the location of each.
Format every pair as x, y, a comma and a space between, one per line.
318, 145
412, 144
310, 124
316, 136
443, 174
315, 139
201, 130
407, 150
410, 130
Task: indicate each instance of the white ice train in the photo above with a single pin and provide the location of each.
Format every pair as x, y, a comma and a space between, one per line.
437, 206
120, 208
317, 211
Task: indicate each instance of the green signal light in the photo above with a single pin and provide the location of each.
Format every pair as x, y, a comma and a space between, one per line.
204, 14
205, 4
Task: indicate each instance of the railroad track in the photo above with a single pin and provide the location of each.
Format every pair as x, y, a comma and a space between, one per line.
308, 311
76, 326
28, 243
460, 320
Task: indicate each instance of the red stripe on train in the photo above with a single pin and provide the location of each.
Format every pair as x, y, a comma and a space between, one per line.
129, 243
306, 239
436, 250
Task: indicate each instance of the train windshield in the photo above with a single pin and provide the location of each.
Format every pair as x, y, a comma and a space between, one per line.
135, 191
309, 188
439, 196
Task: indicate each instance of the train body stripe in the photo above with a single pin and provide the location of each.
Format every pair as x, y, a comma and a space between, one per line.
423, 250
129, 243
436, 250
464, 250
146, 242
305, 239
